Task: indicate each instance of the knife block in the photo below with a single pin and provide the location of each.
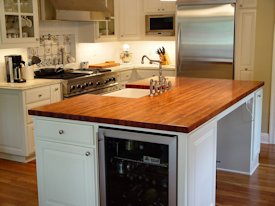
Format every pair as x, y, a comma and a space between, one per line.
165, 60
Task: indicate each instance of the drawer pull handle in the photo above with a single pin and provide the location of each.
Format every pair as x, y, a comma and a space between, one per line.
61, 131
259, 95
88, 154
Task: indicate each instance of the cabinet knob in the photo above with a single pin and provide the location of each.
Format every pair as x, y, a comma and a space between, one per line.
88, 154
61, 131
37, 39
246, 69
39, 95
241, 6
259, 95
56, 89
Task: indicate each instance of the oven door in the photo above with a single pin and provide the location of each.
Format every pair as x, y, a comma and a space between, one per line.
137, 168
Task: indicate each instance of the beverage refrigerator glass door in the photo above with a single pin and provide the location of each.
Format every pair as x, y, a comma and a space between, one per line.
137, 168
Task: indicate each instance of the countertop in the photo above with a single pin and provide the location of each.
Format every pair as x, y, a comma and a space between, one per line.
44, 82
190, 103
29, 84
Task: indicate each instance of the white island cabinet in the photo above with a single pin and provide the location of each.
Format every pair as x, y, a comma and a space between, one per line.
67, 161
67, 149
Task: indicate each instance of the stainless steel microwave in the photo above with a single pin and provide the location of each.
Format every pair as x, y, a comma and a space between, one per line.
160, 25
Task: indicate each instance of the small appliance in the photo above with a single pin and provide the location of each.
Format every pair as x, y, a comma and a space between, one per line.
13, 68
160, 25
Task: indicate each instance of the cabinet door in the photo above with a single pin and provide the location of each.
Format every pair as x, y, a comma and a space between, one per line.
245, 41
12, 129
66, 175
129, 19
202, 166
168, 6
247, 3
55, 93
152, 6
156, 6
246, 74
19, 21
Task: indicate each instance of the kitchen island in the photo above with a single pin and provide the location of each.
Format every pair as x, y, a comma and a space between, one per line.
213, 120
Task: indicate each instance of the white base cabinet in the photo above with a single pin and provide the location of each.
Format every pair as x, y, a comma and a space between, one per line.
16, 126
66, 163
67, 173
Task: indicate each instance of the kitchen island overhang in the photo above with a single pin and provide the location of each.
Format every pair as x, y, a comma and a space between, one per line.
194, 110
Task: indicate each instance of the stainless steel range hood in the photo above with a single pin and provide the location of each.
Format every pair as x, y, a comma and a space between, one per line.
75, 10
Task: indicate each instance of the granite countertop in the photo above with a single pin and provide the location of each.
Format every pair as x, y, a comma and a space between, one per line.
29, 84
190, 103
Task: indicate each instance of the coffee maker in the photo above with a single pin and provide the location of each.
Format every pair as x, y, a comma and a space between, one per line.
13, 68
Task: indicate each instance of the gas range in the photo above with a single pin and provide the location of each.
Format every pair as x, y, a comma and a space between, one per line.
82, 81
98, 83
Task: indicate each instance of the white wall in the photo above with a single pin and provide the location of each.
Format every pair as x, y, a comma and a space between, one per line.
100, 52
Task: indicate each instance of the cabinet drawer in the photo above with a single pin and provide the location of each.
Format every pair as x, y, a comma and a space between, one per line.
38, 94
65, 132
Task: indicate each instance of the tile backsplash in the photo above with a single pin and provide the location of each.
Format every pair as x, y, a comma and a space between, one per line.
50, 47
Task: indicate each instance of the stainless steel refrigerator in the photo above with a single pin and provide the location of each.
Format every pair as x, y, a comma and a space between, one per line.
205, 38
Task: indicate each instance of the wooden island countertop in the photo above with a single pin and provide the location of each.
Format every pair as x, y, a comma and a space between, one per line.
190, 103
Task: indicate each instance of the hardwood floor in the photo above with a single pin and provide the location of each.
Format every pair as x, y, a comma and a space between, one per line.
256, 190
18, 184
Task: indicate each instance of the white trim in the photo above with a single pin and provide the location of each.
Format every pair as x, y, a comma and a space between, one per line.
272, 99
265, 139
233, 171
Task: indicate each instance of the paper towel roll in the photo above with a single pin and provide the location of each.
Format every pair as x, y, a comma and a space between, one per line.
27, 73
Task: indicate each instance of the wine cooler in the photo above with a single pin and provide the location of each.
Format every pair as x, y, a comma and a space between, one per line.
137, 168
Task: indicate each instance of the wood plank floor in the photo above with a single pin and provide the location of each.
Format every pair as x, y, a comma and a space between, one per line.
18, 184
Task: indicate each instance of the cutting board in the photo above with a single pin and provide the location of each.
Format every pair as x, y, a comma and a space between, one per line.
106, 64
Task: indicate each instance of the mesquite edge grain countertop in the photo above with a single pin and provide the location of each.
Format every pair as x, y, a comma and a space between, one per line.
190, 103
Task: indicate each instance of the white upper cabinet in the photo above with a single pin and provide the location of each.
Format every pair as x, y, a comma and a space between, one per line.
157, 6
247, 3
19, 23
129, 16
